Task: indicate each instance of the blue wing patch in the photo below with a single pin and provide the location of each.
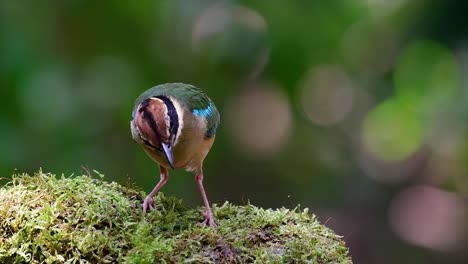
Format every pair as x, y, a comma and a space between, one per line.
204, 112
211, 115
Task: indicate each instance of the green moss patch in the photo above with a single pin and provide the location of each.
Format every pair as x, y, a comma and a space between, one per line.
49, 219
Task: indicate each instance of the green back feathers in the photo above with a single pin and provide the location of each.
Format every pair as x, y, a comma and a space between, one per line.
193, 98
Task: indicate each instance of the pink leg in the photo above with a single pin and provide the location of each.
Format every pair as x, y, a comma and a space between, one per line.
148, 202
209, 219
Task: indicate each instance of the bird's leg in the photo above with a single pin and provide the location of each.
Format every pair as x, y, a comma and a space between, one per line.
148, 202
209, 219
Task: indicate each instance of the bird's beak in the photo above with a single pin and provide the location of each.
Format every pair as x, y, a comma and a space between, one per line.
168, 153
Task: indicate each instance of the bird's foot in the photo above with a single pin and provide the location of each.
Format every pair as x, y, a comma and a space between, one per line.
147, 204
209, 219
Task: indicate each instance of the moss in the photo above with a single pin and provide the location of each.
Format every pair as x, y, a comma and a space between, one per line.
49, 219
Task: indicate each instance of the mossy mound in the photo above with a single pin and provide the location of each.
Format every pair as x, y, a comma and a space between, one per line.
49, 219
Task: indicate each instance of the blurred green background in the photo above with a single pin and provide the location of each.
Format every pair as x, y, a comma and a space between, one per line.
356, 109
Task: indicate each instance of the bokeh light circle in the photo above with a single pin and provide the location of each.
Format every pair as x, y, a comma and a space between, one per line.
370, 48
392, 132
232, 34
429, 217
259, 120
327, 95
381, 9
427, 77
46, 97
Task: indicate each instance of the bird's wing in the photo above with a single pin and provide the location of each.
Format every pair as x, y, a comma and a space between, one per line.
201, 105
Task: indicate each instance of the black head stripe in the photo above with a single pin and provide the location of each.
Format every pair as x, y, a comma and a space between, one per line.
172, 113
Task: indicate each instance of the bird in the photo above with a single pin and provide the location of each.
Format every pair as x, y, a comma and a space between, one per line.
176, 125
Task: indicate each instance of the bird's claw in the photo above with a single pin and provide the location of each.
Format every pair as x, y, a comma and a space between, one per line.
209, 219
147, 204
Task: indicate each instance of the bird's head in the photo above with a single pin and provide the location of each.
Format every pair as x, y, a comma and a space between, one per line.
155, 124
